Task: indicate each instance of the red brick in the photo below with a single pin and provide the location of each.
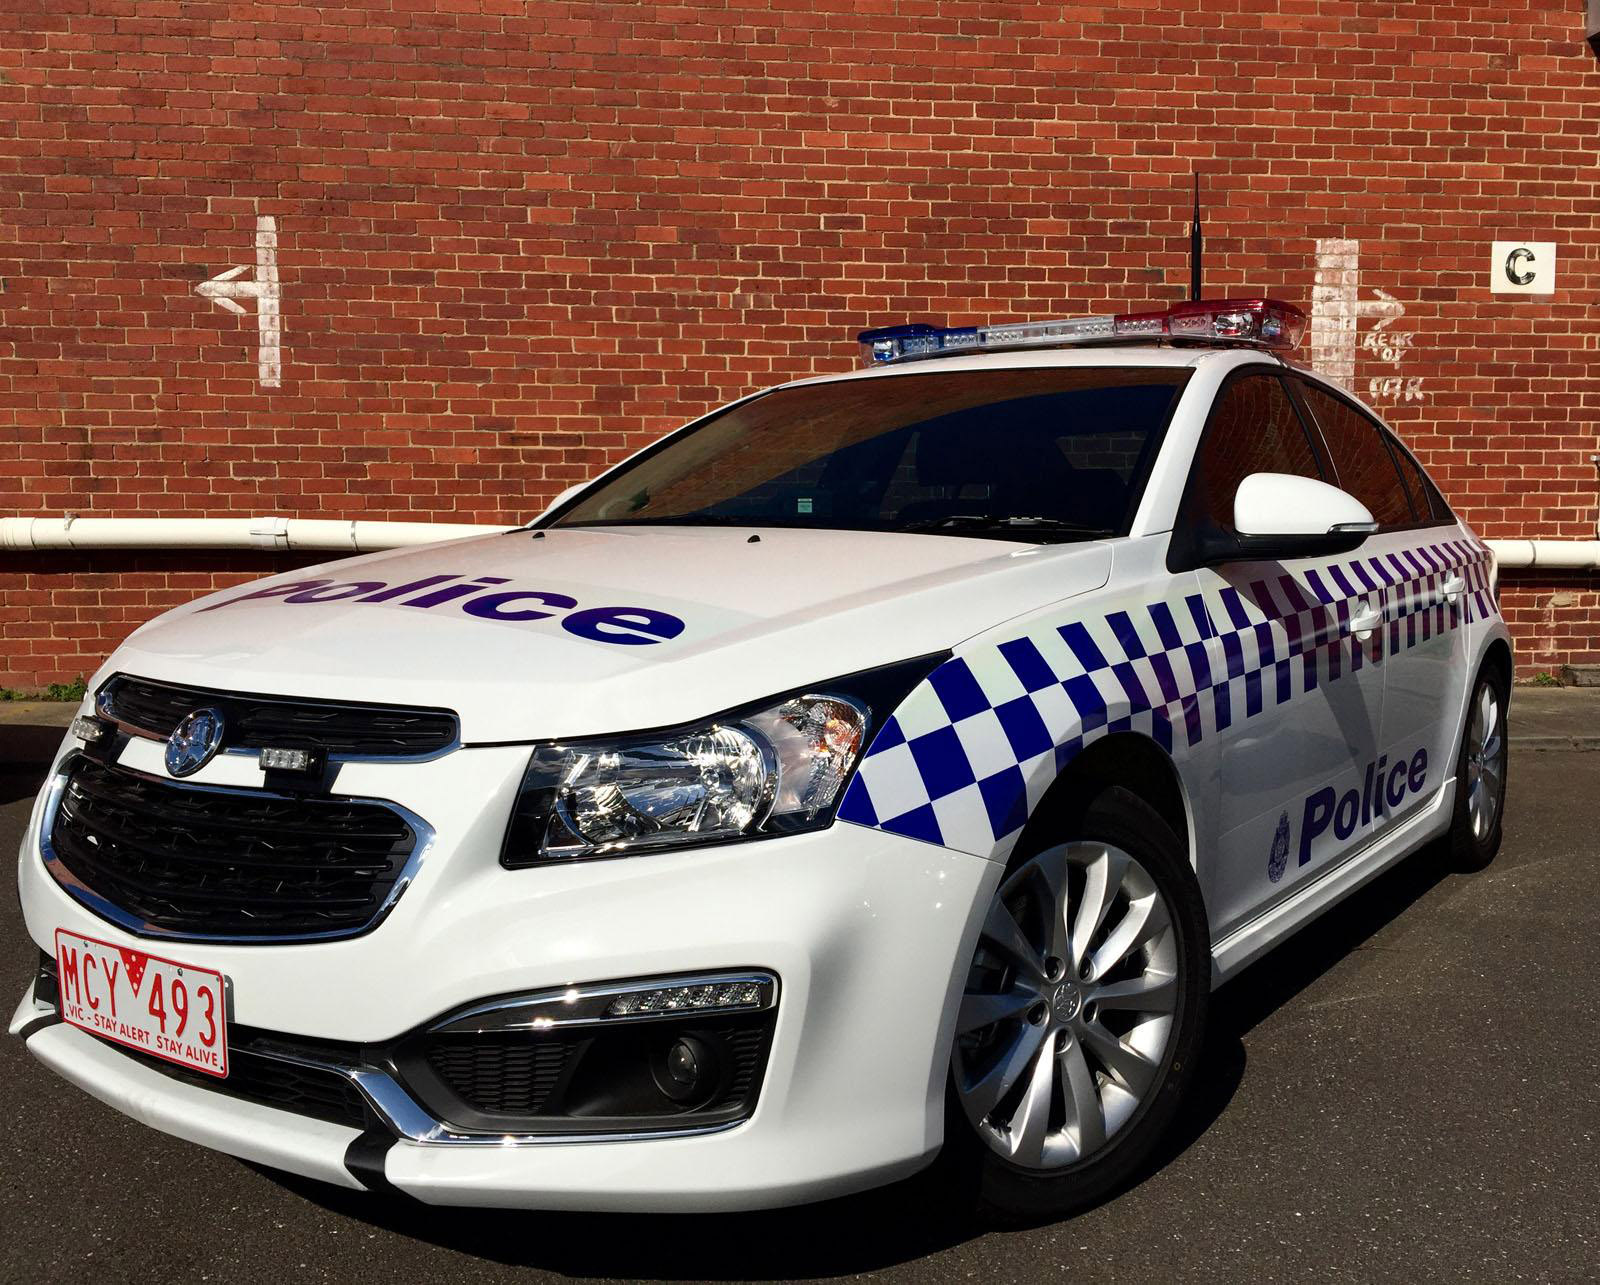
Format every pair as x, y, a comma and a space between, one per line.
518, 239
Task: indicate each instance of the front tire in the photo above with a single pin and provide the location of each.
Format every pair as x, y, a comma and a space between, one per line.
1479, 813
1083, 1016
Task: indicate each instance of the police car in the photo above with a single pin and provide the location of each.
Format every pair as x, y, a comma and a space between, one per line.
886, 767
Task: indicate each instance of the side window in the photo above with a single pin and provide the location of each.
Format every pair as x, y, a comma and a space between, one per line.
1362, 463
1425, 497
1253, 429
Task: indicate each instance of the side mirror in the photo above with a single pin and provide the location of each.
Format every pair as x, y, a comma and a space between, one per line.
1278, 516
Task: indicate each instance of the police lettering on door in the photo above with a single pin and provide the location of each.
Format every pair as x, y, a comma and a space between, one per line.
1384, 786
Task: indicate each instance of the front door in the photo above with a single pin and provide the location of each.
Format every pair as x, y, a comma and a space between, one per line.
1427, 569
1298, 698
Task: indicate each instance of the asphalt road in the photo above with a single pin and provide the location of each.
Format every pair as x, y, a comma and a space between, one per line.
1409, 1091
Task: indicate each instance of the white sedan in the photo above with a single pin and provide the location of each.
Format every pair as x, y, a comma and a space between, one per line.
883, 769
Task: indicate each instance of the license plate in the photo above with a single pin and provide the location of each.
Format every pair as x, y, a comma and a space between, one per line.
157, 1006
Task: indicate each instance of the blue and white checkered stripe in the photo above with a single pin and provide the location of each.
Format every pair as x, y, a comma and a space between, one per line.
969, 754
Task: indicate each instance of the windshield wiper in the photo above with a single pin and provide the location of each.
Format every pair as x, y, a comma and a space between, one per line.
1011, 527
674, 519
1017, 524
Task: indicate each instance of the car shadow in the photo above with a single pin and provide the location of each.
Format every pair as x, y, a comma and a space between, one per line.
896, 1224
26, 750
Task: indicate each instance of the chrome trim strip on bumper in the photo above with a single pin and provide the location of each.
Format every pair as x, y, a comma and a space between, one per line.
402, 1113
128, 922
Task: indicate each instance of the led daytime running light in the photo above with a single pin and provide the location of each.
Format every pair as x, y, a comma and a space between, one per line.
713, 996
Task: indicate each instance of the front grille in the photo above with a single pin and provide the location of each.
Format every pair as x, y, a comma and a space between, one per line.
253, 722
186, 860
305, 1090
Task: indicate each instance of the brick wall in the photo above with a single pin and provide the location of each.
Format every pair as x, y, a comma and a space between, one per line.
515, 238
1556, 621
64, 612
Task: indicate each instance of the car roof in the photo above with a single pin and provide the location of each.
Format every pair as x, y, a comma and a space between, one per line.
1082, 355
1132, 355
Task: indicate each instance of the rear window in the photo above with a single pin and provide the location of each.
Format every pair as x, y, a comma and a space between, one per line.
1425, 497
1038, 454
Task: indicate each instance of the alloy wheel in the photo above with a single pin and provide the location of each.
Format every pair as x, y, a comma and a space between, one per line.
1486, 761
1069, 1007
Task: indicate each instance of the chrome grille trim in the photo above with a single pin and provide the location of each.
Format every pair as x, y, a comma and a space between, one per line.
106, 709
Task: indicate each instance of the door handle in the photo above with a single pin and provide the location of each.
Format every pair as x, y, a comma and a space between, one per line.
1364, 620
1454, 587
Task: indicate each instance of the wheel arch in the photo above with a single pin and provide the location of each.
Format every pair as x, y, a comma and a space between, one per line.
1127, 759
1498, 656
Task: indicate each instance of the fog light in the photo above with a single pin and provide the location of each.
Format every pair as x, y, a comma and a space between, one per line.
683, 1065
710, 996
91, 731
688, 1071
285, 760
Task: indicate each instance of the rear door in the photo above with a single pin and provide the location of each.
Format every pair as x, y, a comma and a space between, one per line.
1298, 705
1423, 568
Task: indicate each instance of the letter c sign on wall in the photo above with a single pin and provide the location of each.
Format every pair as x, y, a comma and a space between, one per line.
1522, 267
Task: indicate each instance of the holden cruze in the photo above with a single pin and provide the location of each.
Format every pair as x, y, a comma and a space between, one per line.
884, 768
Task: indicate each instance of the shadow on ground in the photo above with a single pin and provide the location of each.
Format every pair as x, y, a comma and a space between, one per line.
881, 1228
25, 753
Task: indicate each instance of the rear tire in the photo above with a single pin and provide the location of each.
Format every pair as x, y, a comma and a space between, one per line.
1083, 1016
1479, 812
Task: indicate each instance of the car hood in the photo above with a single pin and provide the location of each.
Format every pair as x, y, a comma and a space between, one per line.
592, 630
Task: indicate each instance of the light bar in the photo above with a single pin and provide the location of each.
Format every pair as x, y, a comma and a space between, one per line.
1261, 323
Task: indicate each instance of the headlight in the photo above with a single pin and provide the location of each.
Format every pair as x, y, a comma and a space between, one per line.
771, 769
706, 785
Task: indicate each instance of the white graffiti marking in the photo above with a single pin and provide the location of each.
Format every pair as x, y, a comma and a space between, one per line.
1336, 312
1395, 388
226, 289
1333, 309
1385, 344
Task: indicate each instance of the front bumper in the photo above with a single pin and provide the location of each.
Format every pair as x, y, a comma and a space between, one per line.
868, 932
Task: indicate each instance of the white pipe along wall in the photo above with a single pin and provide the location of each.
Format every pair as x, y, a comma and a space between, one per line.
1557, 555
269, 534
266, 534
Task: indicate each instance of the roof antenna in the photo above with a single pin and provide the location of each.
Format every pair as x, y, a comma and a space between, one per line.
1196, 273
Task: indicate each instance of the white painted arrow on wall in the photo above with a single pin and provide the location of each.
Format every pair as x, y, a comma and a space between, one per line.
227, 288
1385, 308
1337, 308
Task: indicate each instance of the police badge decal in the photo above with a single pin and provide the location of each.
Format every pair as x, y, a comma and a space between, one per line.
1278, 859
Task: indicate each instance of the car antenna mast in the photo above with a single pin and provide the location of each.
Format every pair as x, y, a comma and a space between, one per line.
1196, 245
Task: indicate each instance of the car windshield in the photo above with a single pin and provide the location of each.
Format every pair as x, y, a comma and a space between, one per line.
1040, 454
